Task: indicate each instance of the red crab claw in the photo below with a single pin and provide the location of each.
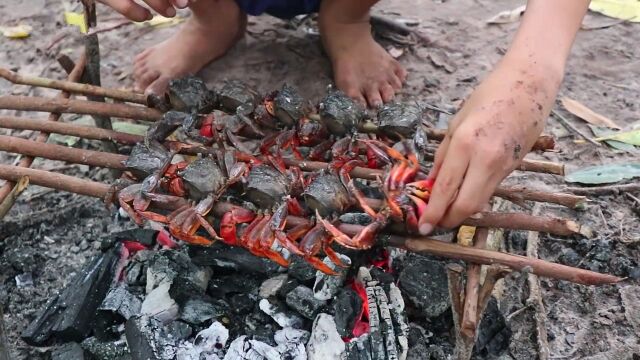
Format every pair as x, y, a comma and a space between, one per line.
365, 239
294, 207
228, 223
360, 198
278, 222
393, 205
253, 238
311, 244
346, 169
383, 149
206, 129
289, 139
319, 151
267, 142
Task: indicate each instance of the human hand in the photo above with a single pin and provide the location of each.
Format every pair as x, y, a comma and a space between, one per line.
135, 12
486, 140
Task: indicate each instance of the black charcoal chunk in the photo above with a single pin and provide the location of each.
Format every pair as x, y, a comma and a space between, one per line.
302, 300
222, 257
117, 307
494, 335
280, 314
106, 350
148, 340
222, 286
198, 311
301, 270
242, 303
179, 330
327, 286
424, 284
68, 351
347, 307
65, 317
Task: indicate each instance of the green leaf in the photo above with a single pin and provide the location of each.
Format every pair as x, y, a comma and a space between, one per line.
604, 174
630, 137
604, 132
131, 128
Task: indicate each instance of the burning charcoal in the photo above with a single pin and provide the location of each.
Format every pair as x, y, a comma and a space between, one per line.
291, 343
339, 113
424, 283
420, 352
377, 323
190, 94
158, 303
301, 270
107, 350
325, 342
227, 258
212, 340
187, 351
242, 303
117, 307
327, 195
175, 268
226, 285
198, 311
179, 330
494, 334
243, 348
280, 315
67, 315
236, 94
399, 120
266, 186
270, 287
145, 159
359, 348
347, 308
302, 300
287, 287
288, 105
68, 351
146, 237
147, 339
396, 306
327, 286
202, 177
136, 269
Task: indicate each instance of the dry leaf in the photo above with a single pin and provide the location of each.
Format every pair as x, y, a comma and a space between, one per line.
508, 16
586, 114
465, 235
629, 137
441, 59
16, 32
628, 10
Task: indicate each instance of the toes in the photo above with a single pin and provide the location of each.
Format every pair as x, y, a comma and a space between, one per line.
395, 82
372, 93
141, 56
158, 86
145, 79
387, 92
400, 72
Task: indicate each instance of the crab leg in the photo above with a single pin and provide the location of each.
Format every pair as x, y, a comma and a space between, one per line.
363, 240
278, 222
311, 244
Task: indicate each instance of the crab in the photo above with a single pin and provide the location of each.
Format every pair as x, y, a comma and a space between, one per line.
190, 94
340, 114
399, 120
237, 97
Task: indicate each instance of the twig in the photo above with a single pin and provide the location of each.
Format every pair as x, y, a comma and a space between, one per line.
30, 103
546, 167
604, 190
456, 293
8, 202
521, 193
535, 295
421, 245
72, 87
544, 142
469, 316
74, 75
570, 126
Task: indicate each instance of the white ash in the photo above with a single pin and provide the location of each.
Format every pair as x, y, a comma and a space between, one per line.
327, 286
291, 343
242, 348
282, 317
159, 304
271, 286
325, 342
209, 344
396, 305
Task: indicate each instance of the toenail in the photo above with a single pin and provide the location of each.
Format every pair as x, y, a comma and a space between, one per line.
182, 3
171, 12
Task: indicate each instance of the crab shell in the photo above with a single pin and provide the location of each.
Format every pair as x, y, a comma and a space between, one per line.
146, 159
266, 186
327, 195
288, 105
340, 113
236, 94
190, 94
202, 177
399, 120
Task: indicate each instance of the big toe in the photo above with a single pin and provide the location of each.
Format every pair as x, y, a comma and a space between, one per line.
144, 77
158, 86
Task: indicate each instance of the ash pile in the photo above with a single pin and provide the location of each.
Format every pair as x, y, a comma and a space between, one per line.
145, 297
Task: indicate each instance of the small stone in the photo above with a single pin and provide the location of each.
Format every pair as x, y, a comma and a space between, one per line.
158, 303
302, 300
270, 287
74, 249
325, 341
84, 245
424, 283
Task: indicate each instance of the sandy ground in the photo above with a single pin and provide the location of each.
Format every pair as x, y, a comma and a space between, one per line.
60, 231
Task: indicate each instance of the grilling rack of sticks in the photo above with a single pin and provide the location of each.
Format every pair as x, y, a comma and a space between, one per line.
469, 297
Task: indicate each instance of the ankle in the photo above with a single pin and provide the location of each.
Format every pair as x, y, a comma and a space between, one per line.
344, 11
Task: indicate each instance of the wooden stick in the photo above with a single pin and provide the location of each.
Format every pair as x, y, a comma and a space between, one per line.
72, 87
604, 190
74, 75
421, 245
30, 103
8, 201
547, 167
521, 193
543, 143
469, 315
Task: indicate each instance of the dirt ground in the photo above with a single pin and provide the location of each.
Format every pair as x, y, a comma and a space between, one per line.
51, 235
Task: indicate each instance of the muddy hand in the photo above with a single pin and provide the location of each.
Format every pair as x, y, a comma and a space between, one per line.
136, 12
486, 140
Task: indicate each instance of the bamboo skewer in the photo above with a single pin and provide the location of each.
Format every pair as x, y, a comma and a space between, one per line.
114, 161
73, 87
421, 245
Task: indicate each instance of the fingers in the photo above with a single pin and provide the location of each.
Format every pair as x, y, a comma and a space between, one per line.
129, 9
180, 4
450, 176
162, 7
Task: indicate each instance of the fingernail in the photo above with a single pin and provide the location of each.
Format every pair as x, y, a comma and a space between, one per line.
477, 215
182, 3
426, 229
171, 12
149, 16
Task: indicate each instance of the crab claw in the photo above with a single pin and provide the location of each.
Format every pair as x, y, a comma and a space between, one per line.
363, 240
228, 223
278, 222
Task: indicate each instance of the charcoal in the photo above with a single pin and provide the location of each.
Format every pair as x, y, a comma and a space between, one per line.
266, 186
301, 270
291, 343
117, 307
148, 340
135, 272
228, 285
325, 342
271, 286
281, 315
418, 352
494, 334
198, 311
244, 348
106, 350
288, 286
242, 303
347, 307
302, 300
327, 286
145, 237
179, 330
159, 303
424, 284
396, 308
66, 316
231, 259
68, 351
175, 268
359, 348
24, 280
327, 195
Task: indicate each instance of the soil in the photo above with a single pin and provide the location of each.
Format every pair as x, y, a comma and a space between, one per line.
50, 235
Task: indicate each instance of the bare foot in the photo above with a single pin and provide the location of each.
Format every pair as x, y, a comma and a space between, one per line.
361, 67
213, 28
